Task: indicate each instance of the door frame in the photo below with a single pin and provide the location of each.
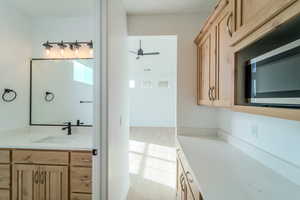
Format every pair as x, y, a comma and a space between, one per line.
100, 130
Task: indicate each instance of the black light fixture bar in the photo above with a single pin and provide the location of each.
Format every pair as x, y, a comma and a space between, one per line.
72, 45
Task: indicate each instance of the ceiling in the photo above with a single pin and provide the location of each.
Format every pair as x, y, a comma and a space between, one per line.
148, 7
54, 8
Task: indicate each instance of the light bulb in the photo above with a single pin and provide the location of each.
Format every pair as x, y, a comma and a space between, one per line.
62, 52
76, 51
48, 51
91, 52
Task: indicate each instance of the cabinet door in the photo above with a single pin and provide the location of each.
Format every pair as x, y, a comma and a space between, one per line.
53, 183
205, 69
25, 184
223, 93
81, 180
251, 14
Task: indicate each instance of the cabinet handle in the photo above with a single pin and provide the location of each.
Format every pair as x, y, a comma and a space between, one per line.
189, 177
213, 93
36, 177
209, 94
181, 182
42, 177
229, 20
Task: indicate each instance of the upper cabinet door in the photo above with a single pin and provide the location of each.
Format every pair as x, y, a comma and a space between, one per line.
53, 183
205, 69
25, 183
222, 95
251, 14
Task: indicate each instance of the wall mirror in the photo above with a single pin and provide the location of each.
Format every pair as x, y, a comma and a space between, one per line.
61, 90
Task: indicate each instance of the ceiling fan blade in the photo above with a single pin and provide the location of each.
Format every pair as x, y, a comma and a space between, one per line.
151, 53
133, 52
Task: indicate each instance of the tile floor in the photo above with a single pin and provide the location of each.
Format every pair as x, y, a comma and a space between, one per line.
152, 161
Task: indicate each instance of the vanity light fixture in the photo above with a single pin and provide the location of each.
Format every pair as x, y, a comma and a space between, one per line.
48, 47
74, 46
91, 46
62, 47
77, 47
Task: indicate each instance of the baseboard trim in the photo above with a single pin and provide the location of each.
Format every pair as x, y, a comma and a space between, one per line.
285, 168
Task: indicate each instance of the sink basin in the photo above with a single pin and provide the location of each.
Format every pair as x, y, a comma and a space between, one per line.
54, 139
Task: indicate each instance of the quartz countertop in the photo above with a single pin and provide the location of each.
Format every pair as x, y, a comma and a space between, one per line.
222, 171
51, 138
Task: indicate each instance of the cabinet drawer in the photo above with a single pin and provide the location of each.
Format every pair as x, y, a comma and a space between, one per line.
81, 197
40, 157
4, 176
81, 159
4, 156
4, 194
81, 180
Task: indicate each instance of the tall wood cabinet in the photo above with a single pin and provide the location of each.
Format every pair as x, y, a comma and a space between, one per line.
215, 60
233, 26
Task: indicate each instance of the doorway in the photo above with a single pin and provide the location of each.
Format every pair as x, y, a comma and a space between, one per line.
152, 117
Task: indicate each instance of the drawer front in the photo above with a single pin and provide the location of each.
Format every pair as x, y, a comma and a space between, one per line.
4, 156
189, 176
4, 176
4, 194
81, 197
81, 180
40, 157
81, 159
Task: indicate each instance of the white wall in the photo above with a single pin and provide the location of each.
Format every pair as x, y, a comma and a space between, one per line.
186, 27
155, 106
118, 128
15, 51
277, 137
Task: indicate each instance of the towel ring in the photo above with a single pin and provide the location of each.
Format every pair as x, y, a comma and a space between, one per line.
9, 95
49, 96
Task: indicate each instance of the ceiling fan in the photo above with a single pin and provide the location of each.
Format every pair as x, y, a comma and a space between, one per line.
141, 52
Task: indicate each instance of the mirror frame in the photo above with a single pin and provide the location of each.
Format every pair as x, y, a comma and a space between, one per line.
30, 92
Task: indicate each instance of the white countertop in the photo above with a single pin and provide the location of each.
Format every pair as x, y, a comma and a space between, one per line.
223, 172
52, 138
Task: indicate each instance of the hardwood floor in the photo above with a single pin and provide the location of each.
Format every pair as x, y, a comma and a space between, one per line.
152, 161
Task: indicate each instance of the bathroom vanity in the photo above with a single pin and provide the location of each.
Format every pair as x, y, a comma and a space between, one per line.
45, 167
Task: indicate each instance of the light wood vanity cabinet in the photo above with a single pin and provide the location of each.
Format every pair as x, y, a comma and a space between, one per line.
5, 175
45, 175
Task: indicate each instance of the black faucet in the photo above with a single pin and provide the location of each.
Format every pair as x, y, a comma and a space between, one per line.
69, 127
